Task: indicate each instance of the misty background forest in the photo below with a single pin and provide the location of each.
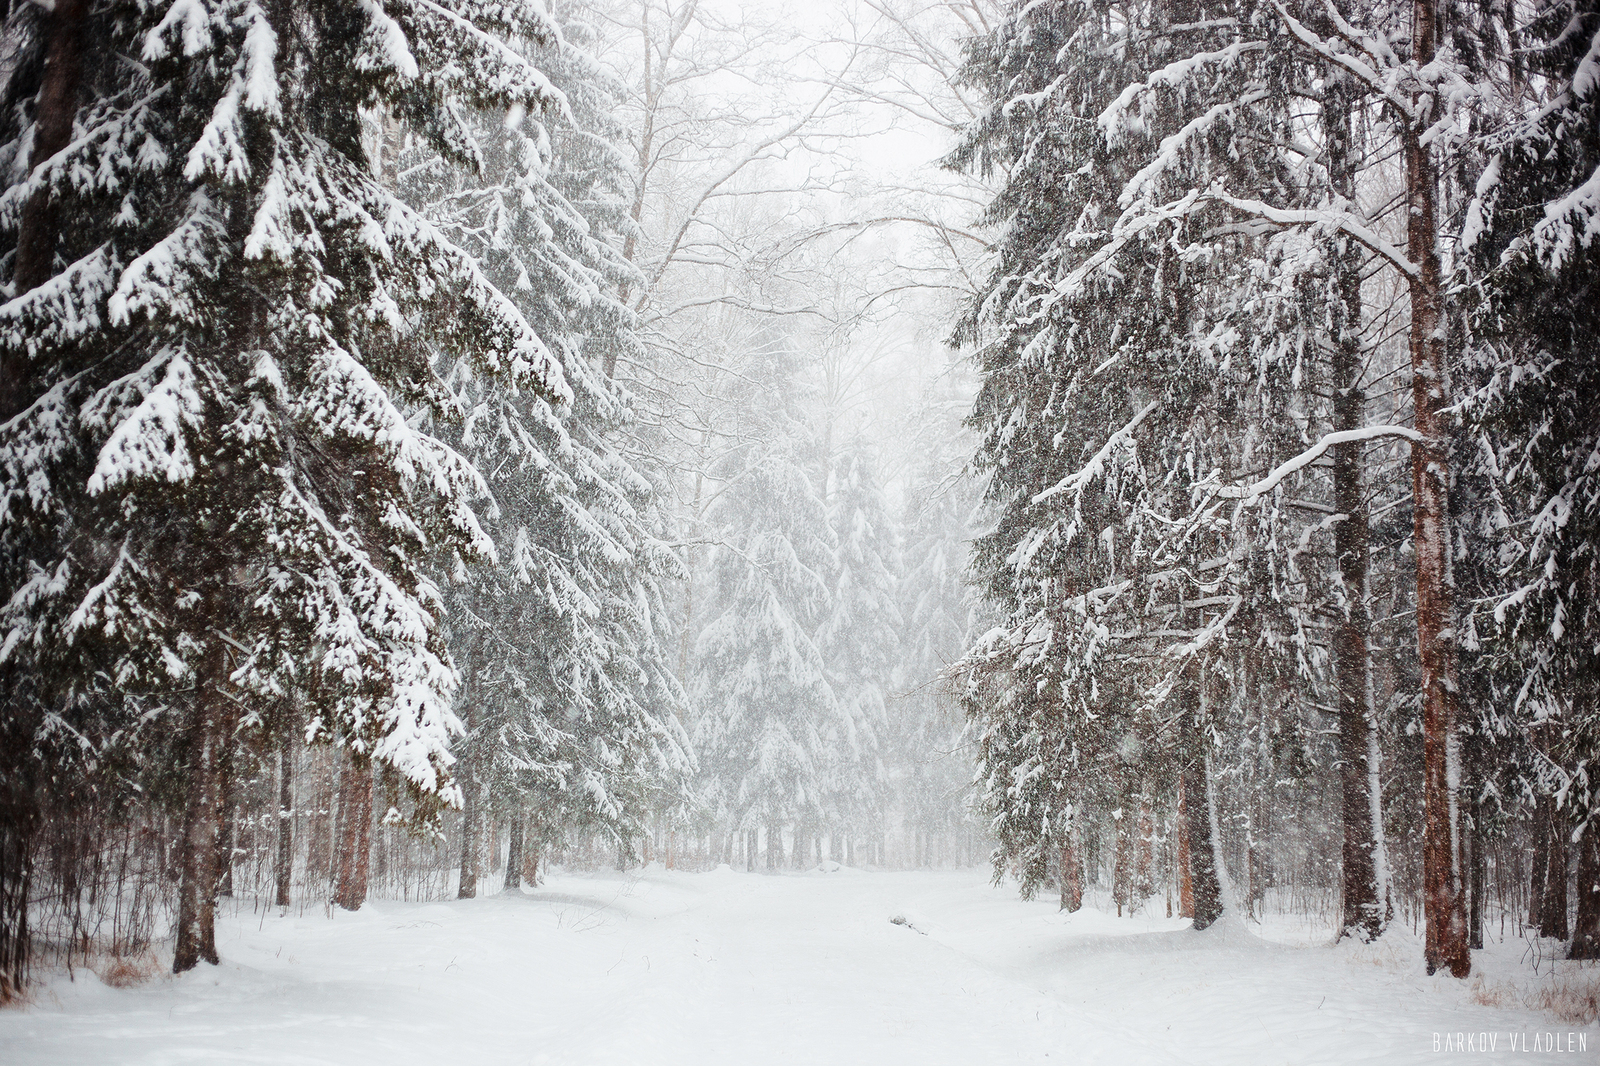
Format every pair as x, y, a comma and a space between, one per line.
1145, 453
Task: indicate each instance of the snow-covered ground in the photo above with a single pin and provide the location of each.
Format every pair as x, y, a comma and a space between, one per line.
725, 967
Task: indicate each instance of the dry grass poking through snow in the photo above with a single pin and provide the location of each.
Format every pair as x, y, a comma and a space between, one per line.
116, 969
1572, 997
124, 971
1568, 991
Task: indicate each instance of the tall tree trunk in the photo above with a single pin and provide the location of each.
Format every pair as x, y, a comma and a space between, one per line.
1121, 861
40, 225
1553, 911
774, 848
283, 865
1443, 898
1586, 927
318, 839
209, 729
530, 863
1586, 930
1540, 864
1206, 888
1362, 913
750, 851
19, 820
355, 845
1144, 860
226, 817
514, 855
1478, 872
1071, 881
1185, 878
1258, 867
471, 816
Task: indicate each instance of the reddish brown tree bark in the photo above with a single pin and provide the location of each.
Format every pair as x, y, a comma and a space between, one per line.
1443, 899
210, 722
355, 837
1071, 877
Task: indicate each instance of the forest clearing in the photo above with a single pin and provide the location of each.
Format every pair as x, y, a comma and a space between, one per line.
733, 968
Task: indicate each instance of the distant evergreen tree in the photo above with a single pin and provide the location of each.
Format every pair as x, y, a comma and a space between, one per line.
860, 637
770, 726
930, 764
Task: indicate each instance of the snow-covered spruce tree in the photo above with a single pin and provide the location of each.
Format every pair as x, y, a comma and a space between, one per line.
571, 709
212, 491
860, 638
1413, 62
769, 728
1123, 388
1195, 126
1532, 230
930, 765
1364, 869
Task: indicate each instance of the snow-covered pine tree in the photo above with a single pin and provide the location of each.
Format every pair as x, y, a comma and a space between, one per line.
1364, 871
1535, 425
571, 708
1197, 124
860, 638
769, 727
1411, 62
213, 493
1116, 395
930, 765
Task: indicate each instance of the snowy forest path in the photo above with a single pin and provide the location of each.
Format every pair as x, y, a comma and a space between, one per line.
725, 967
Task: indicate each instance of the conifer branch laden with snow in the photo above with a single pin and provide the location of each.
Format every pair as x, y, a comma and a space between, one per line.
229, 492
